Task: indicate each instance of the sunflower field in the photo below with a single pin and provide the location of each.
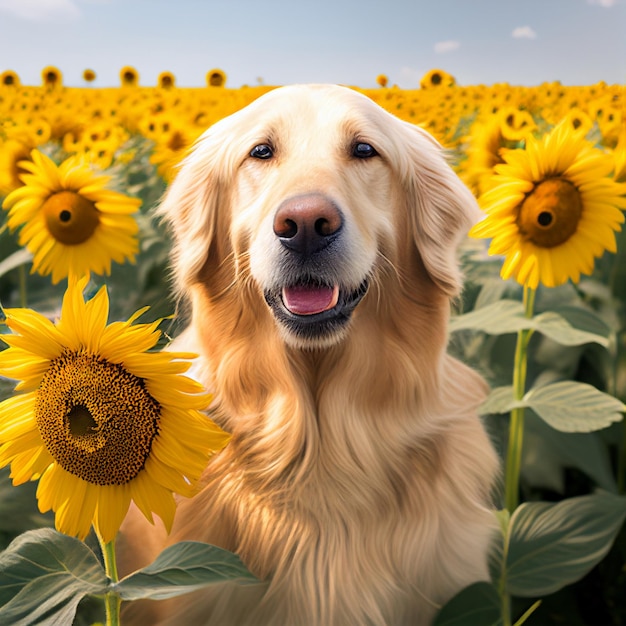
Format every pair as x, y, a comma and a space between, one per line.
84, 286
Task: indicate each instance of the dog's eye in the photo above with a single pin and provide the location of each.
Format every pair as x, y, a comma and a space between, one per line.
363, 150
262, 151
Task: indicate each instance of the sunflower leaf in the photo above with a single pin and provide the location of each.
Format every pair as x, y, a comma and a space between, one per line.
551, 545
584, 319
547, 452
181, 568
44, 575
556, 327
19, 257
498, 318
574, 407
476, 605
507, 316
567, 406
500, 400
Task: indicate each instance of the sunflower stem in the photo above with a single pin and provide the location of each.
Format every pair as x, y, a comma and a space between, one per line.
516, 426
621, 461
112, 601
516, 432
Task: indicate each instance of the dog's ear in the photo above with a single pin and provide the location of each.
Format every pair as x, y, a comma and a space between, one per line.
441, 207
191, 206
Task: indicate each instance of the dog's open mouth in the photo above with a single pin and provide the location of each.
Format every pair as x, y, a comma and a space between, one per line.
310, 299
312, 310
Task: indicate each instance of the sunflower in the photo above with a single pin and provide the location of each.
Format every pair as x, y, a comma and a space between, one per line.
215, 78
486, 148
89, 76
9, 78
170, 148
437, 78
166, 80
579, 120
515, 124
99, 420
12, 154
129, 77
552, 209
382, 80
70, 221
51, 77
619, 158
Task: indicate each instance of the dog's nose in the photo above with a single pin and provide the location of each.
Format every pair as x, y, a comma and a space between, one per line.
307, 224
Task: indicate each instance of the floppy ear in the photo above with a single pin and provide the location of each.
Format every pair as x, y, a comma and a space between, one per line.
441, 207
190, 208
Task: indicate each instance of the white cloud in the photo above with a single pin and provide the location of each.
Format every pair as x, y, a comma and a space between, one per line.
40, 10
442, 47
524, 32
607, 4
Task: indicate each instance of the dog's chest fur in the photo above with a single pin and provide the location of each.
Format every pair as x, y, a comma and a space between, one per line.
360, 503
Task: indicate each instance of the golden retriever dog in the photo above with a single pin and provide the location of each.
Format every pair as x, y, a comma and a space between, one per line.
315, 238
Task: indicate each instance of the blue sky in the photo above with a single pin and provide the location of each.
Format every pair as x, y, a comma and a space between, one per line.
277, 42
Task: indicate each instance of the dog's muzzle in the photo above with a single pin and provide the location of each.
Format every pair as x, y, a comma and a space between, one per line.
312, 303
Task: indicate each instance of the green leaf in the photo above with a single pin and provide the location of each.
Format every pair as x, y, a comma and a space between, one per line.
44, 575
19, 506
476, 605
507, 316
19, 257
567, 406
574, 407
500, 400
557, 328
181, 568
584, 319
551, 545
501, 317
547, 452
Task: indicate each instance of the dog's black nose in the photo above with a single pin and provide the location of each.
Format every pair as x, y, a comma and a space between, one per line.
307, 224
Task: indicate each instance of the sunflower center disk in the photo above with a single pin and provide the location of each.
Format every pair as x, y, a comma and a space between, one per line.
96, 419
549, 215
70, 218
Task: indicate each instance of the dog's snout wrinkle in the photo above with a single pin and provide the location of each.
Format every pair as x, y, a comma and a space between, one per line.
307, 224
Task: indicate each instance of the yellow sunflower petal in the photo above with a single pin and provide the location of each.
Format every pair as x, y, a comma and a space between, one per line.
113, 504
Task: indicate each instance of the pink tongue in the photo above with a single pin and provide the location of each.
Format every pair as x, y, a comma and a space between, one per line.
307, 300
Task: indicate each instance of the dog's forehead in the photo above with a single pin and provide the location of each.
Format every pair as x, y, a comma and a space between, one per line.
319, 107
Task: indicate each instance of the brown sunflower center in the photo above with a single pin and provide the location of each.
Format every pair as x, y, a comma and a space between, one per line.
550, 213
176, 141
70, 217
96, 419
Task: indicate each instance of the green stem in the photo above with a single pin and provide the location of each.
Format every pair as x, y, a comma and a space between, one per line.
516, 432
506, 608
112, 602
516, 427
621, 458
620, 342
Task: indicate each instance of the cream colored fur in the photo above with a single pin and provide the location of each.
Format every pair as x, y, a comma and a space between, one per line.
357, 484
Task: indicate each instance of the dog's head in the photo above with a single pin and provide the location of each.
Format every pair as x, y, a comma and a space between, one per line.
303, 197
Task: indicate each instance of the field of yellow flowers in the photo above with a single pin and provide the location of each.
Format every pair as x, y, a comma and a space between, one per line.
544, 307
